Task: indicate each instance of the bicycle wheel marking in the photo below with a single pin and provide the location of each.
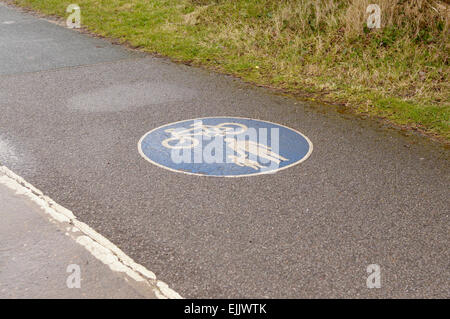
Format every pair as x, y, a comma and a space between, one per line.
224, 146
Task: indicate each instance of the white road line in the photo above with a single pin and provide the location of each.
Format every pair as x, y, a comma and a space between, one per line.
99, 246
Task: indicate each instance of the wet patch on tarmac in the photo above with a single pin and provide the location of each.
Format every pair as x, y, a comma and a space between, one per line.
129, 97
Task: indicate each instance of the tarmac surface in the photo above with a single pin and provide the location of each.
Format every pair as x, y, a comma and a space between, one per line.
38, 259
73, 108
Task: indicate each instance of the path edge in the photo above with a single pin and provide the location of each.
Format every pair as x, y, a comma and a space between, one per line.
99, 246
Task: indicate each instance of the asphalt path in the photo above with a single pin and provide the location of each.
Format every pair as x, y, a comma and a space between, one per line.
37, 257
73, 108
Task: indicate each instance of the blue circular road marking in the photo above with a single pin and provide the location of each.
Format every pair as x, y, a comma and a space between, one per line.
224, 146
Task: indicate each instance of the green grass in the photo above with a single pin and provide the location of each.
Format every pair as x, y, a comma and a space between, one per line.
317, 50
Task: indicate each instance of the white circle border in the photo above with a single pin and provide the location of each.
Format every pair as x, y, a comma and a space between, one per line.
304, 158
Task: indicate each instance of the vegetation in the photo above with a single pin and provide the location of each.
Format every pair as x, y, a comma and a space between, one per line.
320, 50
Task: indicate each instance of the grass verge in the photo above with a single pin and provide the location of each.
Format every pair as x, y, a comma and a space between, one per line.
320, 50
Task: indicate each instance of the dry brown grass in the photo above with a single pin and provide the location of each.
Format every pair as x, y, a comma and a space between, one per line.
412, 14
325, 46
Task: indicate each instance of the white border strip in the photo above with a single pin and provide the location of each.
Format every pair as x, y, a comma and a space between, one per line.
235, 176
99, 246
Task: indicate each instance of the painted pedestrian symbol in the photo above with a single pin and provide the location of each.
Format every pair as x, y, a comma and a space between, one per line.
254, 148
224, 146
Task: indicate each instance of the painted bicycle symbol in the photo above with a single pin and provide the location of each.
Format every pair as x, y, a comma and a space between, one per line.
224, 146
185, 138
